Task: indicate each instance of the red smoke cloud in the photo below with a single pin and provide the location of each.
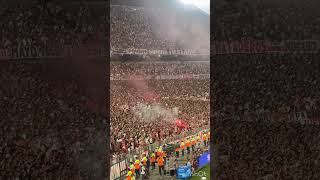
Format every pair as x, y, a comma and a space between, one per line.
142, 88
181, 123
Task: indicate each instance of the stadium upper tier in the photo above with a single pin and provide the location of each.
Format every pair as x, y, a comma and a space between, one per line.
265, 19
150, 28
158, 28
56, 25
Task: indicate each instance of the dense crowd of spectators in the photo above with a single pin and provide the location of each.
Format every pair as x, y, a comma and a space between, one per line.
258, 97
46, 131
155, 28
190, 98
39, 140
43, 25
259, 150
154, 69
278, 86
283, 20
131, 27
260, 84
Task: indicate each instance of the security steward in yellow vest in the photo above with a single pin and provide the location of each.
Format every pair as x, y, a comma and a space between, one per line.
130, 176
188, 145
177, 150
204, 137
132, 168
193, 143
182, 147
153, 161
137, 167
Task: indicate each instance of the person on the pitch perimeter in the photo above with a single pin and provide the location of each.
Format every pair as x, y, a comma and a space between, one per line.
153, 161
137, 167
167, 168
204, 137
182, 146
130, 176
198, 140
132, 167
193, 143
160, 162
188, 144
143, 172
148, 167
177, 151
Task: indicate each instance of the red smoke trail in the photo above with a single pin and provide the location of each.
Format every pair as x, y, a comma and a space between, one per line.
142, 89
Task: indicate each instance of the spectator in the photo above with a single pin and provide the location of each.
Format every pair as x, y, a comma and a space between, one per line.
32, 140
256, 115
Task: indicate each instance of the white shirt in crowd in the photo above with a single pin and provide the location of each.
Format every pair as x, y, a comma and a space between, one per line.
143, 169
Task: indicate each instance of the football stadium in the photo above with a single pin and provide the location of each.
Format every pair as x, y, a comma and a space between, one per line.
265, 65
53, 95
159, 86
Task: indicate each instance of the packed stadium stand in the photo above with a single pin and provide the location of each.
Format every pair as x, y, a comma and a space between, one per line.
52, 24
49, 125
266, 113
268, 107
160, 74
52, 130
191, 97
266, 20
153, 27
46, 126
